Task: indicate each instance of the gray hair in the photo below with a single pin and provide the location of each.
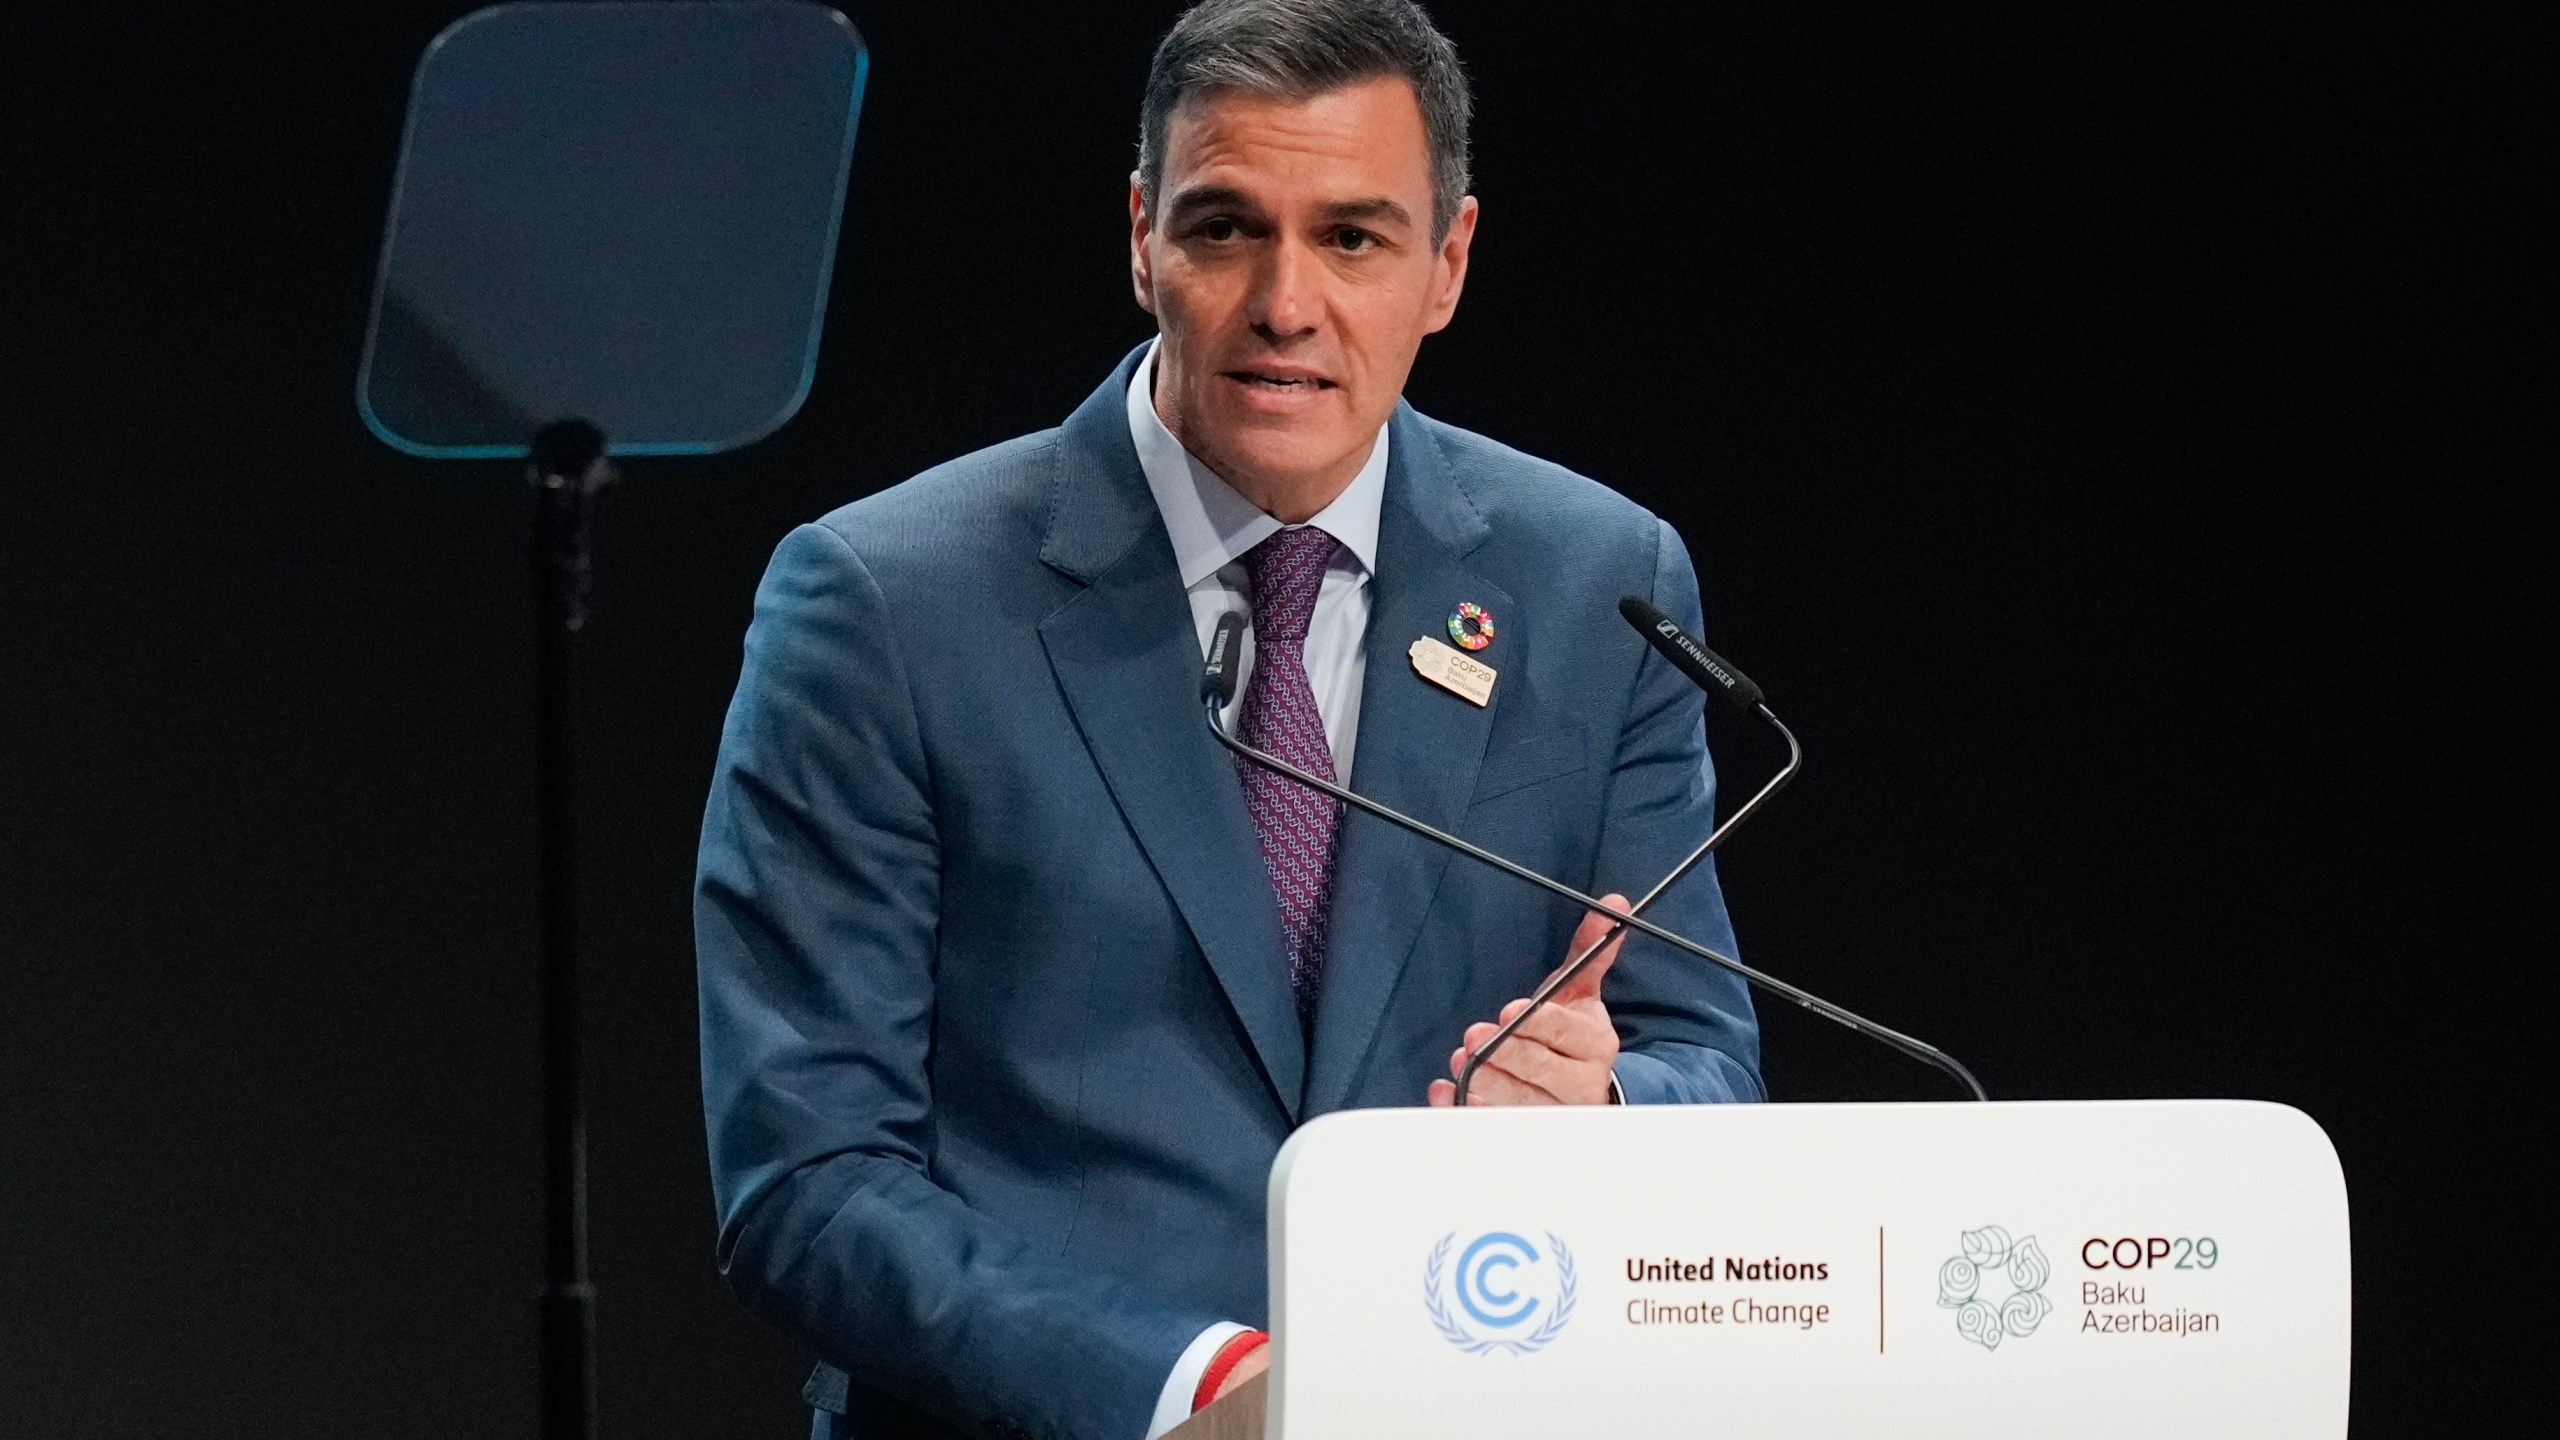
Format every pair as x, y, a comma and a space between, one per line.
1298, 49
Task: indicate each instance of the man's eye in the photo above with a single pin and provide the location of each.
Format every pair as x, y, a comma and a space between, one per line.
1356, 240
1220, 228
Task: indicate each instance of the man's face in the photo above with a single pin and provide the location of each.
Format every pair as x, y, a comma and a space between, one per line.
1291, 270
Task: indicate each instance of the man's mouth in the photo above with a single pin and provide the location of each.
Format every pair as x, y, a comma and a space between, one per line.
1279, 380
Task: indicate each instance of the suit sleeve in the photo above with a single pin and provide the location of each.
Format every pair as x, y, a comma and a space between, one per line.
816, 909
1686, 1029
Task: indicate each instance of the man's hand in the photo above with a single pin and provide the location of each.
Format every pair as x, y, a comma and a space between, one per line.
1564, 1054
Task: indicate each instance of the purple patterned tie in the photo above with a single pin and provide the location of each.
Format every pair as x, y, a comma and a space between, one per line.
1296, 824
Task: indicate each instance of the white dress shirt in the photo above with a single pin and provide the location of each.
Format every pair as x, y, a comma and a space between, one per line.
1212, 527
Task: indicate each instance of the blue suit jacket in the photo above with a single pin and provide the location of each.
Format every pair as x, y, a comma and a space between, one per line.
997, 1040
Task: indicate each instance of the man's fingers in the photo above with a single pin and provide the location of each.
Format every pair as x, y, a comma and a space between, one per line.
1581, 1031
1528, 1062
1514, 1061
1528, 1072
1441, 1093
1586, 986
1553, 1057
1497, 1087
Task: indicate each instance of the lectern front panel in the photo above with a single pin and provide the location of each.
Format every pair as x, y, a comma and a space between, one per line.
2132, 1269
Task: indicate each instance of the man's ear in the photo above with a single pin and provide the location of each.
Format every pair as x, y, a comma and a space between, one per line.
1142, 274
1451, 266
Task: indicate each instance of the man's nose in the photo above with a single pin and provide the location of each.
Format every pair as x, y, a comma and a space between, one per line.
1290, 298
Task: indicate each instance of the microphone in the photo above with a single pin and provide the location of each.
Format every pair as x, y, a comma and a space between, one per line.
1217, 691
1218, 677
1704, 667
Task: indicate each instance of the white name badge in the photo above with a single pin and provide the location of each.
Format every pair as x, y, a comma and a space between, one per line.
1452, 670
2098, 1269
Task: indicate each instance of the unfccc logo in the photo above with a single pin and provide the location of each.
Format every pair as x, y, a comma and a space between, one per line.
1509, 1295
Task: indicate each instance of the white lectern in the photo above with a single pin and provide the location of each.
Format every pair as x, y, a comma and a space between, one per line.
2135, 1269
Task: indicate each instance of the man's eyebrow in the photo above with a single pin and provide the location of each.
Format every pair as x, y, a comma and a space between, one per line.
1211, 197
1374, 207
1227, 197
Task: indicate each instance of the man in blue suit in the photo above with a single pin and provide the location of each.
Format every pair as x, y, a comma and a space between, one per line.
1013, 983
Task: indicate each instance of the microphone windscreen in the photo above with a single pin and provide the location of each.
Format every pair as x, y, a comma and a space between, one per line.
1705, 669
1226, 646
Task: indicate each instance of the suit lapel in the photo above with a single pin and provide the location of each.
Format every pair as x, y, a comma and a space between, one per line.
1127, 658
1419, 752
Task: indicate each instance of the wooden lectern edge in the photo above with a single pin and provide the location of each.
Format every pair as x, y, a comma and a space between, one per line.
1237, 1417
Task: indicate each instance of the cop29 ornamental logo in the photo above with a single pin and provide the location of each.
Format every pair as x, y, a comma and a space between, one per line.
1971, 1284
1508, 1294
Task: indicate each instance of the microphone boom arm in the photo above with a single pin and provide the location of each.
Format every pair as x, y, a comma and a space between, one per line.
1917, 1049
1548, 987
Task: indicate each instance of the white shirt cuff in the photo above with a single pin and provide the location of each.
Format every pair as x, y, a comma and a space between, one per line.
1173, 1406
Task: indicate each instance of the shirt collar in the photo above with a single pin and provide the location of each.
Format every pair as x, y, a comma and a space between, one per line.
1212, 526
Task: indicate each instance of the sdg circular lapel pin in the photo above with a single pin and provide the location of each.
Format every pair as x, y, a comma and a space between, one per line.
1458, 671
1471, 625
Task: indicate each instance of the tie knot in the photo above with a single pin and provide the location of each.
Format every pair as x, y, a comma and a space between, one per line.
1287, 570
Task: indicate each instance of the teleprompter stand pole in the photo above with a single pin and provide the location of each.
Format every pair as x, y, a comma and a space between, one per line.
568, 471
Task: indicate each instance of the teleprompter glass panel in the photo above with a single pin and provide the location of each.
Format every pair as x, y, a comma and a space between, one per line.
624, 213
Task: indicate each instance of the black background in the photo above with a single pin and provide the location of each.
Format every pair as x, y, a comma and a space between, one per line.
2102, 428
